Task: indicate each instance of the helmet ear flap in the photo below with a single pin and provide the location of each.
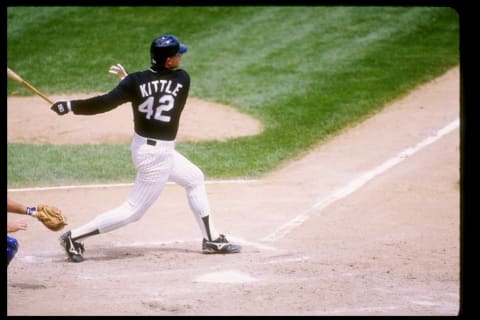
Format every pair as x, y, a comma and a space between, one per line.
157, 61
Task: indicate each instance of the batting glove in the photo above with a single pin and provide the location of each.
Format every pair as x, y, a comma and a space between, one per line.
61, 107
118, 70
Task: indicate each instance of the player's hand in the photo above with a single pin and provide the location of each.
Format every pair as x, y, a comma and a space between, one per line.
61, 107
16, 226
118, 70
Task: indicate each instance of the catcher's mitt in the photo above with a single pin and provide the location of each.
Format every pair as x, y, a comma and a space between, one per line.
51, 217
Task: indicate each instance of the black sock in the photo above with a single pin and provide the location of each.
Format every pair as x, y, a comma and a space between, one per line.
207, 227
87, 235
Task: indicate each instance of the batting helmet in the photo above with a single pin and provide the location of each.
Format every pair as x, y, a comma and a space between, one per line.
163, 47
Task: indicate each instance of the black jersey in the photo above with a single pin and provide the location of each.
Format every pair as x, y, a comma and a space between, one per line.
157, 98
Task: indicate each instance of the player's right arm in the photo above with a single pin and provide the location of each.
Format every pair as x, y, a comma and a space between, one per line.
16, 226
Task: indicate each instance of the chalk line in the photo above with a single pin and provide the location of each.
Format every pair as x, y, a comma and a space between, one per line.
114, 185
357, 183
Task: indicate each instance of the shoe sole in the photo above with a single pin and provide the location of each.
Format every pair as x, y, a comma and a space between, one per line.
213, 251
76, 259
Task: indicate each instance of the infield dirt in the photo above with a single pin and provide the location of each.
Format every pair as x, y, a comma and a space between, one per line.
388, 247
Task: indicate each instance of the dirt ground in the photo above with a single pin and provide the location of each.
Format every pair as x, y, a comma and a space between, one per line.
367, 223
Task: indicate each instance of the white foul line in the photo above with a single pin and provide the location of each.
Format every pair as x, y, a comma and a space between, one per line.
96, 186
358, 182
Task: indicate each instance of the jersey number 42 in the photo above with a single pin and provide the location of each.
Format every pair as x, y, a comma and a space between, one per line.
165, 104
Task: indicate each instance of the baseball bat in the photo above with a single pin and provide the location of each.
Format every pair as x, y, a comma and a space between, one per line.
12, 75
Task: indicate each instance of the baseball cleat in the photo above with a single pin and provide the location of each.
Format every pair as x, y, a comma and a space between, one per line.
219, 245
73, 249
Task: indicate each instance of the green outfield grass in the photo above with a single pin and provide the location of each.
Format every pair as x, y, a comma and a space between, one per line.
305, 72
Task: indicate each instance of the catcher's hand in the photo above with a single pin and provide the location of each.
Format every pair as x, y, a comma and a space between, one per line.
51, 217
118, 70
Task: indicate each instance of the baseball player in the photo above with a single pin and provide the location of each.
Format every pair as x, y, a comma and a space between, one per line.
157, 97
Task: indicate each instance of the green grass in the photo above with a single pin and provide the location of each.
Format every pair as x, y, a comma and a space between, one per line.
305, 72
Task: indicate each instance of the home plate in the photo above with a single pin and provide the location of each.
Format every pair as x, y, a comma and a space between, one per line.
231, 276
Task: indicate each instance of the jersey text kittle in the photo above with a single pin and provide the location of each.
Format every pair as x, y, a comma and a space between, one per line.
152, 87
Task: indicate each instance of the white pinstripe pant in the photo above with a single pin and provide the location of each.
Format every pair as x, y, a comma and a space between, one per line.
155, 166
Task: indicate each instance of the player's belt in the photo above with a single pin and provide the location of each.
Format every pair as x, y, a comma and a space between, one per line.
151, 142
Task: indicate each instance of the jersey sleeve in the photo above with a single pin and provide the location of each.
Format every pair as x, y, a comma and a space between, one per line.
103, 103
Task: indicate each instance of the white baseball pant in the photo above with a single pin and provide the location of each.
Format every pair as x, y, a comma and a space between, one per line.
155, 166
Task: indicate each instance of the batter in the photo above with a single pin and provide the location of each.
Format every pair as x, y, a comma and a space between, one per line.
158, 96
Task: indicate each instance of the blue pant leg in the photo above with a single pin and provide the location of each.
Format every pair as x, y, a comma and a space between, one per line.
12, 248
